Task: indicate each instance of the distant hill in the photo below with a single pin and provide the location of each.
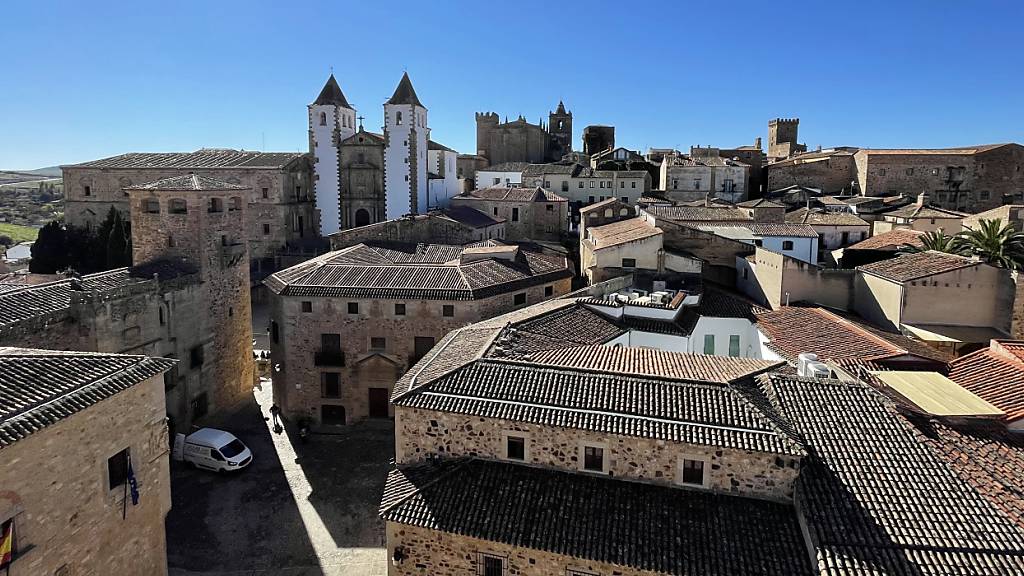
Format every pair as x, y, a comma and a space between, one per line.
23, 176
49, 171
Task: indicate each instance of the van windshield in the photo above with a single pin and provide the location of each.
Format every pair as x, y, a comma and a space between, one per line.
231, 449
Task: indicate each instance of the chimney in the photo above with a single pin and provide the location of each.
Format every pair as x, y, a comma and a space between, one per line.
757, 142
707, 199
922, 199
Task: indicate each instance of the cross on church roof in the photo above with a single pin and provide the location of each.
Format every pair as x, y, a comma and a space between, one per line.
360, 118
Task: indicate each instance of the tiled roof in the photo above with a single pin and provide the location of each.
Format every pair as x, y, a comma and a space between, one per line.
332, 94
204, 158
791, 230
430, 271
567, 326
717, 302
27, 302
599, 205
760, 203
877, 499
404, 93
933, 151
792, 330
432, 145
189, 182
814, 156
456, 349
915, 211
645, 527
608, 402
504, 193
911, 266
890, 240
995, 374
621, 232
824, 218
471, 216
505, 167
41, 387
653, 362
699, 213
571, 169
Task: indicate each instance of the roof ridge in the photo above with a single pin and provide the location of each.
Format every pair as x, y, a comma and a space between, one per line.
669, 380
885, 343
456, 465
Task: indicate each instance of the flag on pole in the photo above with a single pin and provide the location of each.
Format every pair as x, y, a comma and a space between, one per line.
6, 543
132, 483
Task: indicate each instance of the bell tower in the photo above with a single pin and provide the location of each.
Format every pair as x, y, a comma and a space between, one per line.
331, 120
560, 128
405, 152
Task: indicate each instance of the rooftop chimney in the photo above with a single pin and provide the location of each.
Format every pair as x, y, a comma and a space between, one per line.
922, 199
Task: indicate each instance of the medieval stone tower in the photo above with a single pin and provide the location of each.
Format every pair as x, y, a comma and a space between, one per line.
782, 138
331, 120
192, 231
560, 128
486, 122
405, 152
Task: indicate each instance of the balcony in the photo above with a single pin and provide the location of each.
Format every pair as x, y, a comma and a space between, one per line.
329, 357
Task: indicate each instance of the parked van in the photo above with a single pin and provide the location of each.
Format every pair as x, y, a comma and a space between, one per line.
215, 450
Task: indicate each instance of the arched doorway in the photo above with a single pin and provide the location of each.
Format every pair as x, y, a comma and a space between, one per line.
362, 217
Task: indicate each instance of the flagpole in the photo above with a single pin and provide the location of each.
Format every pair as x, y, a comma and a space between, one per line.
124, 502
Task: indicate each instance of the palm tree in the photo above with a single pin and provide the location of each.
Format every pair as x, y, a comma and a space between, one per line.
997, 244
937, 241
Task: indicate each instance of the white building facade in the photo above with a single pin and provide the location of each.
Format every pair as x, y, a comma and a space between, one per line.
406, 136
331, 120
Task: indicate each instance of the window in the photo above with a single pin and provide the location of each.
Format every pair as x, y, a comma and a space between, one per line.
519, 299
625, 199
323, 119
235, 204
448, 310
881, 172
515, 214
565, 185
274, 332
117, 469
602, 184
353, 307
199, 406
266, 192
195, 356
421, 345
266, 229
177, 206
162, 320
983, 195
592, 184
398, 117
495, 210
88, 191
515, 448
691, 472
622, 183
910, 171
151, 206
378, 344
581, 184
608, 213
787, 244
593, 458
696, 184
216, 205
549, 290
632, 184
709, 343
547, 183
492, 565
330, 386
497, 181
734, 344
549, 207
591, 199
629, 262
307, 306
728, 185
400, 309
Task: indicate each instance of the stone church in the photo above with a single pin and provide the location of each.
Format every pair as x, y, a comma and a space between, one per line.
363, 177
520, 141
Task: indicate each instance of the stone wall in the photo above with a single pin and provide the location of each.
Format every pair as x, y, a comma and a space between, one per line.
833, 175
425, 228
436, 553
361, 168
297, 377
776, 280
55, 485
423, 433
538, 221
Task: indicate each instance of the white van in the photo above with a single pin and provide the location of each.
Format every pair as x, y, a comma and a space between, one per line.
215, 450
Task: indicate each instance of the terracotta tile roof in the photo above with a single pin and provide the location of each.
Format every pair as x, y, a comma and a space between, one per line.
471, 216
643, 527
890, 240
793, 330
505, 167
621, 232
674, 410
430, 271
699, 213
506, 194
54, 298
569, 326
760, 203
653, 362
996, 374
41, 387
599, 205
791, 230
915, 211
824, 218
187, 182
717, 302
456, 349
204, 158
876, 498
934, 151
912, 266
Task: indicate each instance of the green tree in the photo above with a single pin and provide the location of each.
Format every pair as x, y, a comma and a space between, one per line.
937, 241
6, 240
49, 252
118, 252
995, 243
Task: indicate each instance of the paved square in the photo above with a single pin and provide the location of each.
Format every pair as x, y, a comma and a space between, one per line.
298, 509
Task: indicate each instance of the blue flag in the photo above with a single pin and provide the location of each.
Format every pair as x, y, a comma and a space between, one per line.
133, 484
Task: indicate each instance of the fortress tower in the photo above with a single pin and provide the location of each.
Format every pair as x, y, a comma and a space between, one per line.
331, 120
405, 152
782, 138
191, 230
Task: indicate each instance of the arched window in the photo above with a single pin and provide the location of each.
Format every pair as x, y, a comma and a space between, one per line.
236, 204
177, 206
624, 212
398, 117
216, 205
151, 206
608, 213
323, 118
362, 217
592, 216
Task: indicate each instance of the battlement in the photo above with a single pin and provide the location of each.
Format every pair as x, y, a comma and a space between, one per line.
487, 116
783, 121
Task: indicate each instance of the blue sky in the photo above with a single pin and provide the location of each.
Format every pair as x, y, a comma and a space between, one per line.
84, 80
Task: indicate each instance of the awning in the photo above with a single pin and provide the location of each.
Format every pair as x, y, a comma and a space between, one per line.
935, 394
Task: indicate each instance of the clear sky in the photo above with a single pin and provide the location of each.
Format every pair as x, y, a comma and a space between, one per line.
84, 80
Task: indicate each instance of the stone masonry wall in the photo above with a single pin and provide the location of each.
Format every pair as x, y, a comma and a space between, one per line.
421, 433
55, 485
436, 553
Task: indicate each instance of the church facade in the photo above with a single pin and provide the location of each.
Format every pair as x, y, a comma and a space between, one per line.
362, 177
520, 141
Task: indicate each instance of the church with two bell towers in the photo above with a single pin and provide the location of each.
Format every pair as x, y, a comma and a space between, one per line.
363, 177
